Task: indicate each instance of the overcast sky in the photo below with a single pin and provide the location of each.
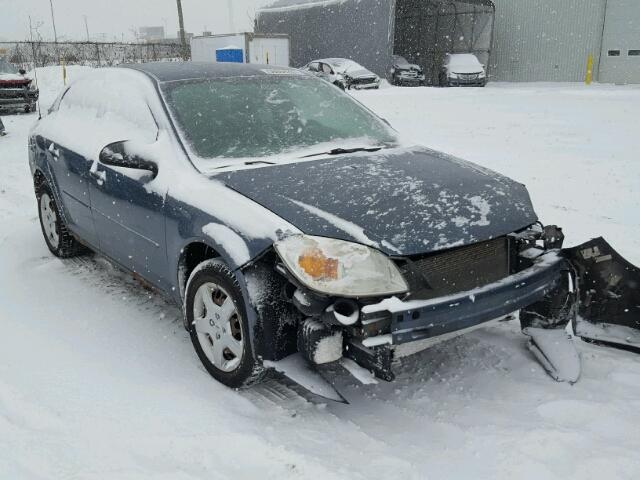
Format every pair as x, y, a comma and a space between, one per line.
116, 18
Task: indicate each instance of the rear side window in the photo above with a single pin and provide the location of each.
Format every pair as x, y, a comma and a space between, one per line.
634, 53
116, 107
613, 53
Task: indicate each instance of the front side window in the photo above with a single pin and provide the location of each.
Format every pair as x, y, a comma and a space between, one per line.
266, 116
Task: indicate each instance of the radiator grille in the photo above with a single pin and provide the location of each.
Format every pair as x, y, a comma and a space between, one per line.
457, 270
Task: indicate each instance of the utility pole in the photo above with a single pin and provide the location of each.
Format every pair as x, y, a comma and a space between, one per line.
86, 27
53, 21
183, 40
232, 27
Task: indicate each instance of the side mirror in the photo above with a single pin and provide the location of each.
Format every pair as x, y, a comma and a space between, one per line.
22, 71
121, 154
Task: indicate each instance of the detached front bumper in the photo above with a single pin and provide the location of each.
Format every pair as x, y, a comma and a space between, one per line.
421, 319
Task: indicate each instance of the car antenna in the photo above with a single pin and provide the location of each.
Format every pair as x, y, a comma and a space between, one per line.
35, 69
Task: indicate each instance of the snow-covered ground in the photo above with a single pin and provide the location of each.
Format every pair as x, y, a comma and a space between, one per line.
98, 378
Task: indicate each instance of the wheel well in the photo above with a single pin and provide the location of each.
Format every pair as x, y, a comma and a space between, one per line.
190, 257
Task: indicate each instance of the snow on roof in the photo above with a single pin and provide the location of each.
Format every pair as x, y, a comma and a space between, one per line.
283, 5
343, 64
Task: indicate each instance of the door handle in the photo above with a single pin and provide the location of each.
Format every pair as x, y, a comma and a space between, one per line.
55, 153
98, 175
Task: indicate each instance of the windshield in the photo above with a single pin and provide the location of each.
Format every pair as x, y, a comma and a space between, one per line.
345, 65
401, 61
265, 116
6, 67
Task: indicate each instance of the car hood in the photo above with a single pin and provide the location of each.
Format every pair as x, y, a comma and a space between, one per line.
410, 66
359, 73
13, 79
401, 201
465, 69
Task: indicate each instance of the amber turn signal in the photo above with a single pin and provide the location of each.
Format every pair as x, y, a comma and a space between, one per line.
318, 266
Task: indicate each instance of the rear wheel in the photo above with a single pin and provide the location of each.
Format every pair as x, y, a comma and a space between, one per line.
217, 324
57, 236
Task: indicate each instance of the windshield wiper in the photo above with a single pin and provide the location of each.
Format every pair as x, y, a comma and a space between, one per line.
251, 162
340, 151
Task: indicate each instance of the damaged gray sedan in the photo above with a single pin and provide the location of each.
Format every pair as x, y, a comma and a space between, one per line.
295, 230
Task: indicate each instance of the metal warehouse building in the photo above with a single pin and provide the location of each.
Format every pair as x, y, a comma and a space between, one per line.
370, 31
519, 40
550, 40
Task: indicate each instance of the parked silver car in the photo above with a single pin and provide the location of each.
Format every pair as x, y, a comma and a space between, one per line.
462, 69
343, 73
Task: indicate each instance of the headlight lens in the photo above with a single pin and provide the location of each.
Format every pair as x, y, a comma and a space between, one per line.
340, 268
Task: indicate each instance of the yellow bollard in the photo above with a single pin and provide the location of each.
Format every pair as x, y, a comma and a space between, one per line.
589, 76
64, 73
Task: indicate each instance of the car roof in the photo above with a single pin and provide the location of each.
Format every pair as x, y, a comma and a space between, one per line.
337, 61
175, 71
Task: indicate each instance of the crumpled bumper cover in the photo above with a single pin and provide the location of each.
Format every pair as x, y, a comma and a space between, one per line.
420, 319
18, 98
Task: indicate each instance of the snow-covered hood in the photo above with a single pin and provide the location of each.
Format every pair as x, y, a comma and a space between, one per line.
408, 66
402, 201
362, 73
14, 79
465, 69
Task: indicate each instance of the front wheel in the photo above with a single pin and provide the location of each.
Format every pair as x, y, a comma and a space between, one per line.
217, 324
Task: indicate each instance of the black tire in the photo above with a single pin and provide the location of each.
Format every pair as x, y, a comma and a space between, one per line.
249, 371
67, 245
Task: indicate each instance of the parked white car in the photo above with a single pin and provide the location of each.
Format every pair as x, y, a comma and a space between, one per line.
343, 73
462, 69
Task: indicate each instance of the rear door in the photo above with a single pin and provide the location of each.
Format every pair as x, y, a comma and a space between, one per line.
128, 214
69, 164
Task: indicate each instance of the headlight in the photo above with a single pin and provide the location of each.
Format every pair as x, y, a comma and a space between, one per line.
453, 75
482, 74
340, 268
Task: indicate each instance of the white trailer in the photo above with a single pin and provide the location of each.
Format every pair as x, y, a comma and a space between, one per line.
257, 48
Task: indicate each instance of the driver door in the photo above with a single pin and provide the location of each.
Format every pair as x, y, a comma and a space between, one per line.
127, 213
